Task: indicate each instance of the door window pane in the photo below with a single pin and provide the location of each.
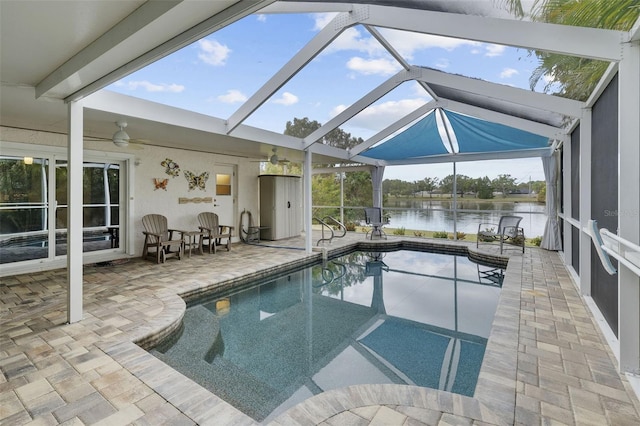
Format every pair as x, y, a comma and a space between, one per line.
223, 184
101, 195
23, 208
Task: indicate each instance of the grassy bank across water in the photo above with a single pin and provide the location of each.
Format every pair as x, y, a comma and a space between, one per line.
533, 241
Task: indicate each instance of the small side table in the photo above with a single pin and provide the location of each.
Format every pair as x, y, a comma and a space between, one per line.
190, 239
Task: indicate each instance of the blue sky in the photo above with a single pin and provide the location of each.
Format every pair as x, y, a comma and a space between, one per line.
215, 75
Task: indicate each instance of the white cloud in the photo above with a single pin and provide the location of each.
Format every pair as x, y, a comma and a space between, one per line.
408, 43
378, 116
212, 52
232, 97
442, 63
352, 39
373, 66
151, 87
322, 19
508, 73
262, 17
286, 99
492, 50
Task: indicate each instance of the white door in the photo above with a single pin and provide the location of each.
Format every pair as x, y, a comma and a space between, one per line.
224, 200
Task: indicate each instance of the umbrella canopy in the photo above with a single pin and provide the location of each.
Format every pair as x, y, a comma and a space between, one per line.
468, 135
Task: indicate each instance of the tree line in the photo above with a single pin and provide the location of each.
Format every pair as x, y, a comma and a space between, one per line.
483, 188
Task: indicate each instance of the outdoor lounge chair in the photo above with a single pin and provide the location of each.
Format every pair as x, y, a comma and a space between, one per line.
506, 231
213, 231
373, 217
159, 238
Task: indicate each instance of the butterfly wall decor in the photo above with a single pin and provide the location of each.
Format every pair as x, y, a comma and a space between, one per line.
160, 183
171, 167
196, 181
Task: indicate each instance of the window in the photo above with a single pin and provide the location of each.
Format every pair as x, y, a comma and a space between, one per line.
101, 183
223, 184
25, 207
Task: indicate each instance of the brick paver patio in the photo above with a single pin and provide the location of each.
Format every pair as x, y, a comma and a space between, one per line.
546, 361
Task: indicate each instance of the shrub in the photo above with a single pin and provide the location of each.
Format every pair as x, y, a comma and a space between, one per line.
440, 234
350, 226
536, 241
461, 235
418, 233
399, 231
518, 240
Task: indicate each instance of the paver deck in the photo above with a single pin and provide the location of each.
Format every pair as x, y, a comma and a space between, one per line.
546, 361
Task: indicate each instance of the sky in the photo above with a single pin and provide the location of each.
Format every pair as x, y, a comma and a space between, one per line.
215, 75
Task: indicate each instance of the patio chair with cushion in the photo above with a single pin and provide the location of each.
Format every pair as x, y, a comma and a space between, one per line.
373, 217
213, 231
506, 231
158, 239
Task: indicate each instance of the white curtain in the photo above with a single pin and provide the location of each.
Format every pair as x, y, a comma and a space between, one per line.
551, 239
377, 174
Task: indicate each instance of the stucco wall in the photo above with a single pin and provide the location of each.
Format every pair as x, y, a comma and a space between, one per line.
184, 216
144, 199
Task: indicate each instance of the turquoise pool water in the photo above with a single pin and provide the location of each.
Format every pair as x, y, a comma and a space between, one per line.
399, 317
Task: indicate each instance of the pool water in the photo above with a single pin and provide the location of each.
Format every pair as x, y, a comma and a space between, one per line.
399, 317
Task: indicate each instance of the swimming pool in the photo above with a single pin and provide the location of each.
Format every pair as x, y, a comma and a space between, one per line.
367, 317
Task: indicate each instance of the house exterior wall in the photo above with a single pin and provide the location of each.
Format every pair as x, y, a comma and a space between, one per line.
146, 165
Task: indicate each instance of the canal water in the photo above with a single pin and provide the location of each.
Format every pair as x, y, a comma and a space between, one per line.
433, 215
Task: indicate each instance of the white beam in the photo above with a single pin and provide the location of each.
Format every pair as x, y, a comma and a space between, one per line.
339, 169
330, 151
306, 7
397, 56
141, 17
567, 248
128, 106
394, 127
610, 72
508, 120
308, 200
74, 212
501, 92
584, 214
634, 33
629, 204
206, 27
358, 106
450, 158
563, 39
291, 68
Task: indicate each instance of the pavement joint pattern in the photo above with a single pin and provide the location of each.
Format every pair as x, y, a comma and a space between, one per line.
546, 361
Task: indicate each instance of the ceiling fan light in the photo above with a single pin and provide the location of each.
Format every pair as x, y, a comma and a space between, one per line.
121, 138
274, 159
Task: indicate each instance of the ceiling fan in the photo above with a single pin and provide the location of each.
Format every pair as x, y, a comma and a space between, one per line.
274, 159
121, 138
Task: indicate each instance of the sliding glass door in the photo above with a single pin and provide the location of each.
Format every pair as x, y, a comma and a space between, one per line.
33, 207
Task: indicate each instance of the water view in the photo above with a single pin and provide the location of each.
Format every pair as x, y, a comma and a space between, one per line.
430, 215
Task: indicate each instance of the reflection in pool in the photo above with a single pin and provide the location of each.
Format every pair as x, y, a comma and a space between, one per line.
399, 317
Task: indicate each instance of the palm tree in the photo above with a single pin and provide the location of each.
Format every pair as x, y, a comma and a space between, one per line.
575, 77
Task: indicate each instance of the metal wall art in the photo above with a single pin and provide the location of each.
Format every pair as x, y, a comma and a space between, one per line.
160, 183
171, 167
196, 181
